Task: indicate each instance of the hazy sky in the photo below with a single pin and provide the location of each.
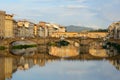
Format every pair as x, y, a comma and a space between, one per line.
90, 13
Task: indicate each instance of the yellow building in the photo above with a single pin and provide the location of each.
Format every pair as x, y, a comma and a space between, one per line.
8, 30
2, 23
35, 30
6, 25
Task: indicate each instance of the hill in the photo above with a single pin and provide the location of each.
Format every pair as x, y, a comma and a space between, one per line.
73, 28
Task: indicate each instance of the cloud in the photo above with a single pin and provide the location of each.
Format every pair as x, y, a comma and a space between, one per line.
74, 6
76, 72
111, 11
66, 12
42, 0
78, 0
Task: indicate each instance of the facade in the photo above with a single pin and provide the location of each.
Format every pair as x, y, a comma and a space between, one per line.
25, 29
6, 25
15, 28
2, 23
47, 29
8, 30
114, 30
42, 29
35, 30
62, 29
42, 32
55, 28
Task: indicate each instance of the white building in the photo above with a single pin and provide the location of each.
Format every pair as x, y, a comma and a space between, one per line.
25, 28
47, 29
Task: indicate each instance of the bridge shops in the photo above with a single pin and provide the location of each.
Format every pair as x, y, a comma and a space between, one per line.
80, 34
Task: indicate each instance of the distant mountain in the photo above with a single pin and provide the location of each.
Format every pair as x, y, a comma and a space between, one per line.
73, 28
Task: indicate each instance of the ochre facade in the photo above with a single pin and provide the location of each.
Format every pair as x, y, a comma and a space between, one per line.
2, 23
8, 30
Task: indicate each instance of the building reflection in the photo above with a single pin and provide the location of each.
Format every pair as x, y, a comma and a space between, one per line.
2, 69
96, 49
116, 63
6, 67
9, 65
25, 64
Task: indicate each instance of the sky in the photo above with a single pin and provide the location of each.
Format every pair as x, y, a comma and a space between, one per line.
89, 13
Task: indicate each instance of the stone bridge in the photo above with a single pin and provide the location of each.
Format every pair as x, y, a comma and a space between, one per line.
7, 42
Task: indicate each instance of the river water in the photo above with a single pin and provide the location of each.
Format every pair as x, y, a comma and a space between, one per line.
61, 63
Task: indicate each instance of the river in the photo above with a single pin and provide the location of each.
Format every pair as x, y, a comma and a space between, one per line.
61, 63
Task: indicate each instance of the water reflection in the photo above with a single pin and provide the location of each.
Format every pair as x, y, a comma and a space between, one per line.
6, 68
96, 49
11, 68
64, 51
85, 62
25, 52
23, 47
116, 63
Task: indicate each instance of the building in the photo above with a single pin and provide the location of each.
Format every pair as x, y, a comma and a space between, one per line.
8, 30
47, 29
6, 25
62, 29
15, 28
35, 30
25, 29
114, 30
2, 23
54, 28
